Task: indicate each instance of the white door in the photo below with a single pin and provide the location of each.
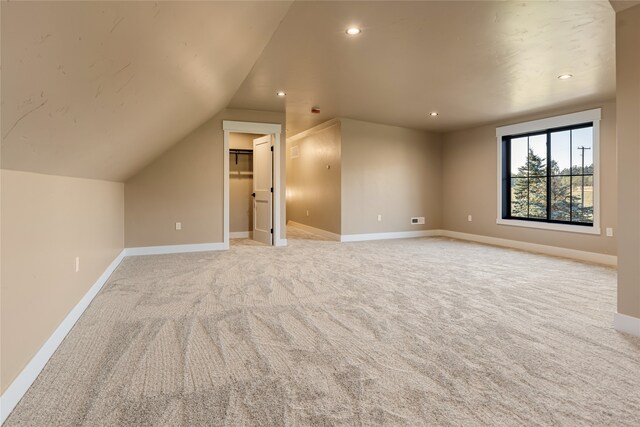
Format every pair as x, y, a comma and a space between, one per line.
262, 189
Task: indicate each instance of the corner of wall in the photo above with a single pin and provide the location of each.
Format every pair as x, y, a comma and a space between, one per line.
314, 177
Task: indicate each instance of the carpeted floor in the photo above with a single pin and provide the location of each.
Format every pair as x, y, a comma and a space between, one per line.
405, 332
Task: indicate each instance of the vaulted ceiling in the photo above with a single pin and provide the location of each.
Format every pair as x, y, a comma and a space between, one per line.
99, 89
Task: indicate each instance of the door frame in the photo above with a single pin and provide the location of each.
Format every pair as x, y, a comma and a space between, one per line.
275, 129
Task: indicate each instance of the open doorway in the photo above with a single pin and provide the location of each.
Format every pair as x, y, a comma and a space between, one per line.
252, 182
241, 183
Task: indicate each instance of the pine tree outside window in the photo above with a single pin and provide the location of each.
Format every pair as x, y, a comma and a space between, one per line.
548, 175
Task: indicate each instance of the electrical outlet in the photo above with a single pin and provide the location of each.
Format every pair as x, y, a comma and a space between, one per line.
178, 226
417, 220
77, 264
307, 212
469, 218
609, 232
379, 218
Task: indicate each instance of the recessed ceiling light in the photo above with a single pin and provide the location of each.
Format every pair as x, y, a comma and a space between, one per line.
281, 93
433, 113
353, 31
565, 76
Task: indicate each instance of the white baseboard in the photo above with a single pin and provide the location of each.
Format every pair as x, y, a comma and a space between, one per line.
611, 260
240, 234
627, 324
594, 257
281, 243
23, 381
175, 249
392, 235
319, 231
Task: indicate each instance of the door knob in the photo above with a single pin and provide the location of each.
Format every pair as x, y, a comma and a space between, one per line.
253, 194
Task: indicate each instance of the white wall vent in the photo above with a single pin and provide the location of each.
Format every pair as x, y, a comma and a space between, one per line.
417, 220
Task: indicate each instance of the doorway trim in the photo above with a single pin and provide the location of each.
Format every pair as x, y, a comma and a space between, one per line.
274, 129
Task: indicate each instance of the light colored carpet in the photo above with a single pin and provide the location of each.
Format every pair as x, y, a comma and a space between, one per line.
406, 332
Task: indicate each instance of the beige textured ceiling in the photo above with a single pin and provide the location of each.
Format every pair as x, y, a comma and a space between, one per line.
474, 62
620, 5
98, 89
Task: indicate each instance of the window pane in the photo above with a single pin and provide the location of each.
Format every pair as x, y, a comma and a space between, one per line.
561, 153
538, 155
582, 197
551, 175
538, 198
519, 156
519, 197
582, 142
560, 198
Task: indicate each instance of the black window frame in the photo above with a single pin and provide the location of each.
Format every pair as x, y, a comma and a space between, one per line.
507, 178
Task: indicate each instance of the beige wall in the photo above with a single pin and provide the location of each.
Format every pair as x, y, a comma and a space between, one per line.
470, 186
240, 189
392, 171
628, 127
46, 222
241, 183
185, 184
242, 140
313, 178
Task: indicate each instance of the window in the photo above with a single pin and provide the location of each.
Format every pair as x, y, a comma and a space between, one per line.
548, 173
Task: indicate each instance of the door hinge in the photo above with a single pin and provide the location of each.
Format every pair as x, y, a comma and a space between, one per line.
272, 231
272, 148
272, 189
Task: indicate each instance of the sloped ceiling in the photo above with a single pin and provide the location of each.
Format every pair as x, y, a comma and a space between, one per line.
473, 62
98, 89
620, 5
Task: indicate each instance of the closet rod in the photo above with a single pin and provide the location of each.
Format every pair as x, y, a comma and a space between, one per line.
237, 151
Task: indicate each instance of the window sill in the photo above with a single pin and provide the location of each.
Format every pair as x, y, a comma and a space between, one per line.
547, 226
